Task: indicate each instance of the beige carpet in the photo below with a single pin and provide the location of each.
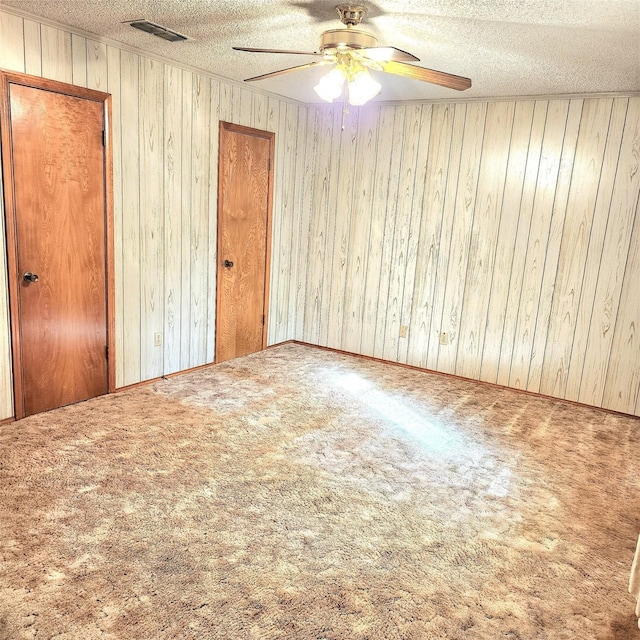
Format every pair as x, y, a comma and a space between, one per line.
301, 494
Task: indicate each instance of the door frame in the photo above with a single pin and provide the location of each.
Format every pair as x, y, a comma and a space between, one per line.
270, 136
8, 78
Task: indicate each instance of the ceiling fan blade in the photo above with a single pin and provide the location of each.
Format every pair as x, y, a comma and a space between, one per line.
384, 54
299, 53
273, 74
427, 75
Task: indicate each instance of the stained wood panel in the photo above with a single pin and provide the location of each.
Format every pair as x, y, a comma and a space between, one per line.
56, 54
464, 206
360, 227
610, 278
379, 165
32, 48
348, 128
436, 161
575, 242
541, 199
524, 195
403, 232
115, 89
128, 254
12, 39
453, 171
173, 207
621, 391
484, 233
554, 243
595, 249
501, 303
413, 243
79, 62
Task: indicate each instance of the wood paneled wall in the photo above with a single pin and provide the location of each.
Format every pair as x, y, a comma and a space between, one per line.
165, 145
505, 237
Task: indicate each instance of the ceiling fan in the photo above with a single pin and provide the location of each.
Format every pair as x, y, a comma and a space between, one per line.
352, 53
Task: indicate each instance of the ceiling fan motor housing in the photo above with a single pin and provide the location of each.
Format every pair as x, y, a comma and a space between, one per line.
346, 38
351, 14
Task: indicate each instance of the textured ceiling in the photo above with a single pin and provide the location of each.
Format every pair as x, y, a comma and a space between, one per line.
507, 47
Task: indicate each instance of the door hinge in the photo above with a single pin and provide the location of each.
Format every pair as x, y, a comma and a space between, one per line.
263, 320
269, 164
106, 351
104, 138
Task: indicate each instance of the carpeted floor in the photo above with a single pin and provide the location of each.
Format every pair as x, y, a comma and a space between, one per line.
297, 493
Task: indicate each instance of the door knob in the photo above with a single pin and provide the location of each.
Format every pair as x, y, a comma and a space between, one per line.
30, 277
226, 263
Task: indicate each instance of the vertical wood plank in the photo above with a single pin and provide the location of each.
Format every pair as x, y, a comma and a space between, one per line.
245, 104
403, 231
606, 305
357, 254
602, 216
526, 200
623, 374
186, 132
455, 152
79, 60
199, 212
415, 231
97, 71
484, 236
12, 50
151, 216
32, 48
277, 286
304, 190
499, 307
390, 205
56, 54
173, 213
259, 113
225, 101
575, 241
343, 214
464, 210
290, 214
280, 226
554, 240
130, 248
531, 295
213, 221
380, 165
318, 229
114, 87
436, 169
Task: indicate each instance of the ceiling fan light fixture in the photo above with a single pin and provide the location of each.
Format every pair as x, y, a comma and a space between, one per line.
362, 88
331, 85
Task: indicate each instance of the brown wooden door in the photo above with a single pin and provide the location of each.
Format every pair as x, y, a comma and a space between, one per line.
244, 212
58, 177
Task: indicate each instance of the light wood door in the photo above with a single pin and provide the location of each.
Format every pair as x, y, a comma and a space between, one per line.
244, 212
58, 216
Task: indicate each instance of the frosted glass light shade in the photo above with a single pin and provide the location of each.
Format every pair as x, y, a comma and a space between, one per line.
331, 86
362, 88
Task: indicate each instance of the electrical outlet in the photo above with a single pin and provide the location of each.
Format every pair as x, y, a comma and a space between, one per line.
157, 339
403, 330
444, 338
